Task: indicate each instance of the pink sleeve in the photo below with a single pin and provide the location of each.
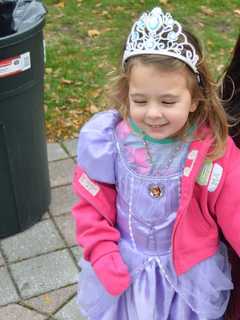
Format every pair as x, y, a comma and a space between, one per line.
94, 216
227, 206
93, 232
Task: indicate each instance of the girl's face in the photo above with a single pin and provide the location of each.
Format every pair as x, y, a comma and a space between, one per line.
159, 101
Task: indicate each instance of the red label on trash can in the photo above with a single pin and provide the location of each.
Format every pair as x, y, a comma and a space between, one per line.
14, 65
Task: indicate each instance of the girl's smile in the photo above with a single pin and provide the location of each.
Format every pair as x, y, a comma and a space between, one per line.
159, 101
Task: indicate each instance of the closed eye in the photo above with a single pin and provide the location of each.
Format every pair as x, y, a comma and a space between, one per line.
139, 101
168, 102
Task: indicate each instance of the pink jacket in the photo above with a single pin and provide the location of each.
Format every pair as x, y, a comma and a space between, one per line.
209, 200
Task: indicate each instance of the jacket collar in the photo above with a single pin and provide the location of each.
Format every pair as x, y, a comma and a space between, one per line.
198, 151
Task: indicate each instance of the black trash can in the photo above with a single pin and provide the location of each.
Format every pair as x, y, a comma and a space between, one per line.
24, 177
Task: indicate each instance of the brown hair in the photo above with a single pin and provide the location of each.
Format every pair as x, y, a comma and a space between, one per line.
209, 112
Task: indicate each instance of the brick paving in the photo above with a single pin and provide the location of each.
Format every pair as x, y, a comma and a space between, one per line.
39, 267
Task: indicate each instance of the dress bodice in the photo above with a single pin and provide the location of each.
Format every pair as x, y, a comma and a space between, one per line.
148, 183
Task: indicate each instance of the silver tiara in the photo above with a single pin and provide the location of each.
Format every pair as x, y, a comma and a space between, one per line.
158, 33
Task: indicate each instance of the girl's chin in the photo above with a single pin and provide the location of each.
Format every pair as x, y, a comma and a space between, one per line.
158, 136
158, 133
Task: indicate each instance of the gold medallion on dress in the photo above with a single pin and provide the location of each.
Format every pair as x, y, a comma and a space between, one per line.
155, 191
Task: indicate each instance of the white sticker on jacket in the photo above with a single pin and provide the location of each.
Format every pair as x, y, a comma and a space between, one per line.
87, 184
192, 155
215, 177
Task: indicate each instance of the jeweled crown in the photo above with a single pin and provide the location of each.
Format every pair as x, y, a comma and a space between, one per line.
157, 32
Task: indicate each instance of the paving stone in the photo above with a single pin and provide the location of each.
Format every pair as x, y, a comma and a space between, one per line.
71, 146
44, 273
66, 225
50, 302
41, 238
61, 172
62, 201
8, 292
70, 312
77, 252
56, 152
17, 312
2, 262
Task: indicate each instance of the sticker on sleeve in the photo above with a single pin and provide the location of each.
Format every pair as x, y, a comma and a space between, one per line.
187, 171
204, 175
192, 156
14, 65
90, 186
215, 177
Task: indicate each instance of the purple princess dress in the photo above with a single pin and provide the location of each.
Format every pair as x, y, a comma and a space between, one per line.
147, 175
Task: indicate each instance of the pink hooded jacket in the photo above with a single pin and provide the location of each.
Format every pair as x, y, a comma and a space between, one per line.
209, 200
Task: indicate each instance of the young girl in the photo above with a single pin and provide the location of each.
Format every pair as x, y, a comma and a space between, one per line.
157, 180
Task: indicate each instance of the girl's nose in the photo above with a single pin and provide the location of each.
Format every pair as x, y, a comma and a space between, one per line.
154, 111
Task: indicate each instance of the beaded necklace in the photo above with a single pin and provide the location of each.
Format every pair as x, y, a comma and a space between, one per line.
170, 160
146, 139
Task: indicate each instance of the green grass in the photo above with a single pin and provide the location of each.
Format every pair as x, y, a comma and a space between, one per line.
79, 65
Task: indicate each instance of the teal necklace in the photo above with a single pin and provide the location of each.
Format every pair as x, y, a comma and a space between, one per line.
147, 139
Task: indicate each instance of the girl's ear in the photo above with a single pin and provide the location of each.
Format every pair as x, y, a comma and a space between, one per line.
194, 105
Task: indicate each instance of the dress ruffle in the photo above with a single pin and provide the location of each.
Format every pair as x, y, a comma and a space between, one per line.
201, 293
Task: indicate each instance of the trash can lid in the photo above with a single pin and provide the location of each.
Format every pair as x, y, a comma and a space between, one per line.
21, 36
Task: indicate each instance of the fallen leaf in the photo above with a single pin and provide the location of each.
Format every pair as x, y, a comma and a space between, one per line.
119, 8
93, 33
200, 24
210, 43
48, 70
207, 11
163, 2
222, 52
59, 16
66, 81
106, 30
220, 67
237, 11
57, 109
101, 65
93, 108
73, 100
105, 13
95, 93
60, 5
47, 86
